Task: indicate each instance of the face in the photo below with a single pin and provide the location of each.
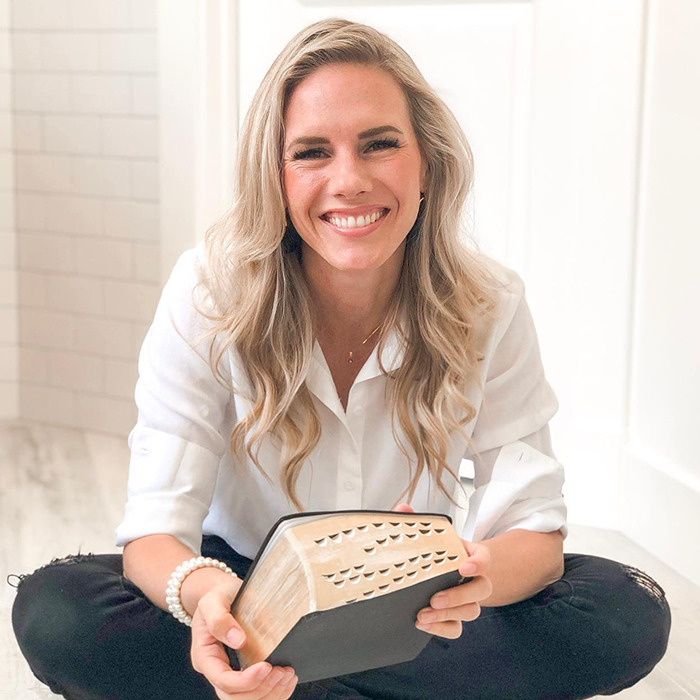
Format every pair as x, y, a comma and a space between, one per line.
353, 171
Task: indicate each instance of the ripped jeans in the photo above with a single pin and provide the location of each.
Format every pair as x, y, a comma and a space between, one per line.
90, 634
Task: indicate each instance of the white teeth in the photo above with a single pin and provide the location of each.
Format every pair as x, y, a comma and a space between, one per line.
354, 222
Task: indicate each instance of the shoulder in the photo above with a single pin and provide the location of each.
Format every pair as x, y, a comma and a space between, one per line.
187, 285
189, 269
185, 309
507, 292
506, 282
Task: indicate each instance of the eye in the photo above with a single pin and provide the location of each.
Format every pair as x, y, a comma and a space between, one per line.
309, 154
382, 144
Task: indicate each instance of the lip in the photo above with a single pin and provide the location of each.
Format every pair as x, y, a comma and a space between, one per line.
355, 211
356, 232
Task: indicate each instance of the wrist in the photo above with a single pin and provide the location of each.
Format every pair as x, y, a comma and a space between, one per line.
201, 581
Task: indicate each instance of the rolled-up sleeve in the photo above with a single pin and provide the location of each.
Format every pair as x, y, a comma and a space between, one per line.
518, 481
177, 443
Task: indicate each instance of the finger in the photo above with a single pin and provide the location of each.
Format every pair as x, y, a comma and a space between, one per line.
478, 559
477, 589
403, 508
251, 681
215, 612
461, 613
207, 653
448, 630
283, 685
211, 661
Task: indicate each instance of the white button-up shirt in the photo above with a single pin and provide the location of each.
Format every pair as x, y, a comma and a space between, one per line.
185, 481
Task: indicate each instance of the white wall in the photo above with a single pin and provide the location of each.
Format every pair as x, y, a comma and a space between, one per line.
588, 67
86, 151
9, 351
661, 474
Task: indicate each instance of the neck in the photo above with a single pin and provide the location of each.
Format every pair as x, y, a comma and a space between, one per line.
350, 304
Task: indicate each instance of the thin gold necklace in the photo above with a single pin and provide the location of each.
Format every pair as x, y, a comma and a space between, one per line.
350, 360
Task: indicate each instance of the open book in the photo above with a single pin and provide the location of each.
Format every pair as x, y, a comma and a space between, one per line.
338, 592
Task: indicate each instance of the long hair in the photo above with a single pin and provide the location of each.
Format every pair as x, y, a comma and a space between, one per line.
262, 305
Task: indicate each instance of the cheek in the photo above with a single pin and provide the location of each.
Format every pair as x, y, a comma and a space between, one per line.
299, 187
402, 177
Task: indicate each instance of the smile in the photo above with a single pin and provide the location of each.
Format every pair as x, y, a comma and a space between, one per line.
355, 222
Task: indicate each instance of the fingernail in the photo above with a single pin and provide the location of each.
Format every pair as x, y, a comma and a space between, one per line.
234, 637
438, 600
467, 569
263, 671
276, 676
427, 617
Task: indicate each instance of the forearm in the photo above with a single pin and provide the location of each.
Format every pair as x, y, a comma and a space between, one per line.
522, 564
150, 561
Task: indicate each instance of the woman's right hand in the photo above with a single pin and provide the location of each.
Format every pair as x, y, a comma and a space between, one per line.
212, 627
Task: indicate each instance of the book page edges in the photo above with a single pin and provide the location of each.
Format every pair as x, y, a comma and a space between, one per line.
272, 603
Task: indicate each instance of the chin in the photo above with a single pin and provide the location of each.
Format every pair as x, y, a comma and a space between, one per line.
356, 263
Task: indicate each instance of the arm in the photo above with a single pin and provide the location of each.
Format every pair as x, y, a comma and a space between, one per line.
522, 564
506, 569
176, 448
150, 561
510, 578
516, 520
207, 595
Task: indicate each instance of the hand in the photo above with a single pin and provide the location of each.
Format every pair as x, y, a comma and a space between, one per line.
451, 607
212, 627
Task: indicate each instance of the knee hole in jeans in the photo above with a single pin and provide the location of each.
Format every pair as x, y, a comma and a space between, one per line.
57, 561
646, 582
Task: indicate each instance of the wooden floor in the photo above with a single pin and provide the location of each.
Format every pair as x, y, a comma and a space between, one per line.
63, 492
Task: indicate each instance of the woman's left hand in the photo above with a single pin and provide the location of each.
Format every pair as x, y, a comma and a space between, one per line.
452, 606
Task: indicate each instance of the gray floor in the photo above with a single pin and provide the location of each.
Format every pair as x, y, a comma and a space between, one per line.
63, 491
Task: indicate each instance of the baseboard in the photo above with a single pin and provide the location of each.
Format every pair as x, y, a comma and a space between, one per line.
660, 509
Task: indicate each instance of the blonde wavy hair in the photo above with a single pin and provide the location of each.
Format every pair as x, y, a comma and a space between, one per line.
262, 308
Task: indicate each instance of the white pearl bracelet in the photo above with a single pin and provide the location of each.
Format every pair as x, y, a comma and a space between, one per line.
172, 592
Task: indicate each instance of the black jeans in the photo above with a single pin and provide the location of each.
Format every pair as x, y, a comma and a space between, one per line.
90, 634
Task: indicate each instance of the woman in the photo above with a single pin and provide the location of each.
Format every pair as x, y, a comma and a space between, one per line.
334, 346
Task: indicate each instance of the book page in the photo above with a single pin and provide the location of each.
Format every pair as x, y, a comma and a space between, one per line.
357, 556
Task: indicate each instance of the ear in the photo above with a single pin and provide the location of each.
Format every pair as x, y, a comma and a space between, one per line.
424, 179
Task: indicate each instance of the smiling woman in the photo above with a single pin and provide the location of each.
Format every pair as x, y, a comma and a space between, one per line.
352, 197
335, 346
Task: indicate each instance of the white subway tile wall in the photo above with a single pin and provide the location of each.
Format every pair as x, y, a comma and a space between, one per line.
9, 278
85, 174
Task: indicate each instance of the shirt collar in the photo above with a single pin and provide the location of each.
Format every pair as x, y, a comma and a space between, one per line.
320, 381
393, 353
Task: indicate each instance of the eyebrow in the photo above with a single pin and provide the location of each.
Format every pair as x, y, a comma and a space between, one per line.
318, 140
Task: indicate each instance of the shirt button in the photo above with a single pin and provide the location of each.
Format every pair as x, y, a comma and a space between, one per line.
358, 410
349, 486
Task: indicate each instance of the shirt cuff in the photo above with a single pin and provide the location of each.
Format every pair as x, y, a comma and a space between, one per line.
525, 491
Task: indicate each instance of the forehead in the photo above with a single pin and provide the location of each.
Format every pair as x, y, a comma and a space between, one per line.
351, 95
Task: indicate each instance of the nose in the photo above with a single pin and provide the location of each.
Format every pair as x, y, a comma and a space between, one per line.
349, 175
